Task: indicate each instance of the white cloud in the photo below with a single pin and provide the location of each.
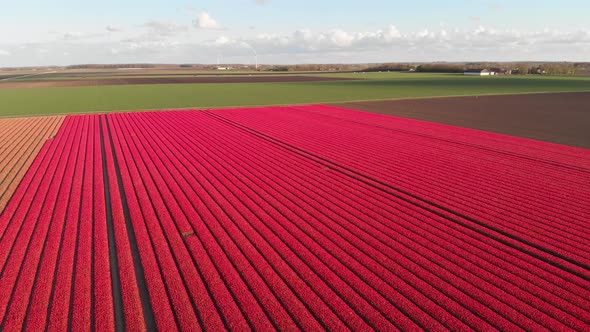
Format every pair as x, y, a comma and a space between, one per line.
340, 38
162, 41
113, 28
205, 21
305, 40
72, 35
262, 2
164, 28
222, 41
77, 36
391, 33
477, 39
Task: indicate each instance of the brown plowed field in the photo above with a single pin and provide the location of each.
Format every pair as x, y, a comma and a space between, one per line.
6, 77
179, 73
562, 118
165, 80
20, 141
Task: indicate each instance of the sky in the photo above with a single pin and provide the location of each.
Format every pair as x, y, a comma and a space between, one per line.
65, 32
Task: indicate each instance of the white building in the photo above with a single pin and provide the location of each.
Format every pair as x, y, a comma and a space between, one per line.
477, 72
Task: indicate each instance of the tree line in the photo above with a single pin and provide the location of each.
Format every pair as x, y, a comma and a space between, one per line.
515, 68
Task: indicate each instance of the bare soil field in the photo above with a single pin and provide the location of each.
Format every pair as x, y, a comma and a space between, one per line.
165, 80
7, 77
562, 118
180, 73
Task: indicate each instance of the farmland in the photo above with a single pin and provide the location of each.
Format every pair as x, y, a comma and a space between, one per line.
261, 165
562, 118
20, 141
373, 86
311, 217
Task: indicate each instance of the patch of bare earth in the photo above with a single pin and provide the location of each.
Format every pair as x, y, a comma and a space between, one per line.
165, 80
562, 118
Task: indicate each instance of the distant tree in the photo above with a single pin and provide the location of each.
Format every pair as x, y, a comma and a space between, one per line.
440, 68
279, 68
522, 69
387, 67
558, 68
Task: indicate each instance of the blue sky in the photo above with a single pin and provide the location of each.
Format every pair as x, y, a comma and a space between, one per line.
107, 31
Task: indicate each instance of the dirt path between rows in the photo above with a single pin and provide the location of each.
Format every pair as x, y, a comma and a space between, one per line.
165, 80
562, 118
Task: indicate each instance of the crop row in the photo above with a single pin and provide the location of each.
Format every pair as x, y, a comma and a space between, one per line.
293, 218
510, 199
20, 141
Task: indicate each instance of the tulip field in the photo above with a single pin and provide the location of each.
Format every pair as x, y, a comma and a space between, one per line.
288, 218
20, 141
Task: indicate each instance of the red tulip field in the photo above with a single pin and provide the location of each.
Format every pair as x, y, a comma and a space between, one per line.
294, 218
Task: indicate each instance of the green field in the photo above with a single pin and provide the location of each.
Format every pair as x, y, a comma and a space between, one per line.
41, 101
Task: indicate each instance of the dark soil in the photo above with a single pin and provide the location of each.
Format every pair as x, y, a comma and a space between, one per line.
562, 118
176, 73
166, 80
6, 77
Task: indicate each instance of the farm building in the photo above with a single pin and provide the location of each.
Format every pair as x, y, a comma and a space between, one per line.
477, 72
500, 71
